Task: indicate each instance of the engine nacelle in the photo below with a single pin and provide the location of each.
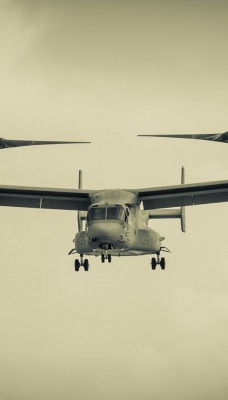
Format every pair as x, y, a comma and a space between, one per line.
170, 212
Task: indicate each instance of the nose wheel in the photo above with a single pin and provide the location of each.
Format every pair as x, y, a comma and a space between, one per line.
158, 261
81, 263
106, 257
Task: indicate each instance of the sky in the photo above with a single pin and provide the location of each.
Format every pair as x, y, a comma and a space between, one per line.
105, 72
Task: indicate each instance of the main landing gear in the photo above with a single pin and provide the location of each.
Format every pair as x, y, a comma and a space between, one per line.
81, 263
159, 261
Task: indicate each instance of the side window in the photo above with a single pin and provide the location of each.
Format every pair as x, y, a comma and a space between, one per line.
128, 216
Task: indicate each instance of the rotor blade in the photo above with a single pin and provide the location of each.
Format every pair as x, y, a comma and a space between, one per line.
216, 137
6, 143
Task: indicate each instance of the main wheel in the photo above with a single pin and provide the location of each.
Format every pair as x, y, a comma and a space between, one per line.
162, 263
109, 258
153, 263
102, 258
76, 265
86, 265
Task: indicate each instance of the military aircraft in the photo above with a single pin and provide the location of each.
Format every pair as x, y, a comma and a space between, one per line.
111, 222
215, 137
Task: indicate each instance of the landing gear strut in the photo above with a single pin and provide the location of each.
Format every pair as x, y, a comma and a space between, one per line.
159, 261
81, 263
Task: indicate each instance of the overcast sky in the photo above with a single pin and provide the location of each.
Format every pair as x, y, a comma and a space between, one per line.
106, 71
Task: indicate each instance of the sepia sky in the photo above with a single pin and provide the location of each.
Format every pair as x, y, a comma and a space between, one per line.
106, 71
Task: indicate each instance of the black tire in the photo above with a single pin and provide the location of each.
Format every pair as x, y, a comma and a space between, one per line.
109, 258
77, 265
102, 258
162, 263
86, 265
153, 263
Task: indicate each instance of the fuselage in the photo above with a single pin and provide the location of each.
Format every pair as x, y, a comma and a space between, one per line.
116, 229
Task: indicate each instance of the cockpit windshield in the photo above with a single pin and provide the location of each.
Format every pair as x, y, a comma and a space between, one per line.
115, 213
96, 213
104, 213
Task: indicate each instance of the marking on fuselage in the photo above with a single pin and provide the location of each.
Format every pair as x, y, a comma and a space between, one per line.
145, 241
82, 241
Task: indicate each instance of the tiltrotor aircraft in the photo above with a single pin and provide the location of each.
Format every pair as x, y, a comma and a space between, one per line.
112, 222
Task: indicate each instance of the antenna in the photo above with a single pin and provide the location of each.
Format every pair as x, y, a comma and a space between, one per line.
80, 223
183, 221
80, 179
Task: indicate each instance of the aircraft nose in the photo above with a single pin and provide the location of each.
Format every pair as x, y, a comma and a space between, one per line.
105, 233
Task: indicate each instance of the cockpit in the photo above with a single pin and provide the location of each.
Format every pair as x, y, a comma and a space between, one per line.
114, 212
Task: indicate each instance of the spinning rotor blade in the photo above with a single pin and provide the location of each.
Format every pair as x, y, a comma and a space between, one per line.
5, 143
216, 137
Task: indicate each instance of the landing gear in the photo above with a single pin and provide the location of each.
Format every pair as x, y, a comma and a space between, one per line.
162, 263
86, 265
159, 261
153, 263
106, 257
81, 263
77, 265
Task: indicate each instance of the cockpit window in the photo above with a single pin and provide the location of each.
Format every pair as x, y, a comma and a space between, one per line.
115, 213
104, 213
96, 213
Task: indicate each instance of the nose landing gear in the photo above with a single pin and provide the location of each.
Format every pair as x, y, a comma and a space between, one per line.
81, 263
106, 257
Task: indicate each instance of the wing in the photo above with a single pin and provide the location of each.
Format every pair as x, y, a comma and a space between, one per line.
216, 137
6, 143
184, 195
45, 198
79, 199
